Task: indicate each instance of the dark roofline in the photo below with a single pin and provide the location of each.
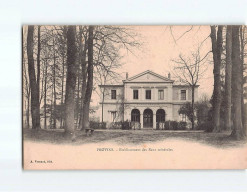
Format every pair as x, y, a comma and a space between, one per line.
110, 85
184, 85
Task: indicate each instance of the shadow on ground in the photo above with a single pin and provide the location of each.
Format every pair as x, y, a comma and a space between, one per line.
134, 137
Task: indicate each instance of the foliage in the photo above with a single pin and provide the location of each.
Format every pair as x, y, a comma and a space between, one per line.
115, 125
126, 125
175, 125
203, 112
187, 110
97, 125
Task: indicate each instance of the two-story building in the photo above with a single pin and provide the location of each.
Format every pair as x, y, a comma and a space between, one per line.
147, 98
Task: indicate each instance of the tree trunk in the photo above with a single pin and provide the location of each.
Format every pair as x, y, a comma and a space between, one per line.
102, 106
238, 132
61, 120
193, 107
35, 111
228, 78
216, 49
70, 82
38, 62
54, 89
77, 109
84, 82
89, 89
45, 89
28, 107
242, 29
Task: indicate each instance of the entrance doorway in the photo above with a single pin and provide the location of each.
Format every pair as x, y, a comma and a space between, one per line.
148, 118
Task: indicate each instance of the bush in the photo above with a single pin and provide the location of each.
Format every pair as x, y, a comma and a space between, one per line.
115, 125
174, 125
182, 125
135, 125
97, 125
126, 125
208, 126
171, 125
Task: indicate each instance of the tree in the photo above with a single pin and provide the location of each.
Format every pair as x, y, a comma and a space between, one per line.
202, 113
70, 82
189, 111
83, 37
228, 78
238, 131
217, 50
189, 71
90, 79
38, 62
35, 110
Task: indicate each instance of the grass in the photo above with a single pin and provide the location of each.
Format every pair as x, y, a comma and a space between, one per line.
133, 137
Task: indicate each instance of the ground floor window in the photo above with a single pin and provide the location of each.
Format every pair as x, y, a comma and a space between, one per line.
183, 117
113, 116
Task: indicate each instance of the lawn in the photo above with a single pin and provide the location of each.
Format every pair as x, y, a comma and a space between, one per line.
134, 137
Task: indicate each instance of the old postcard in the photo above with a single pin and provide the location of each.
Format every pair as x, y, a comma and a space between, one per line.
134, 97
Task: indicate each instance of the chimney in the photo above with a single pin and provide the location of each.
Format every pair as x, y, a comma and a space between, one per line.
169, 76
127, 75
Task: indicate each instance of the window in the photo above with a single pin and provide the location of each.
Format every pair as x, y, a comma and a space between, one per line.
148, 94
183, 117
113, 94
113, 115
183, 94
135, 94
161, 94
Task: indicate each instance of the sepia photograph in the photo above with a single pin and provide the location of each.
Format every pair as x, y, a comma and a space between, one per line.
134, 97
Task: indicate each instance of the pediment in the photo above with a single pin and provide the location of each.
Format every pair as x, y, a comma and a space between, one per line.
148, 76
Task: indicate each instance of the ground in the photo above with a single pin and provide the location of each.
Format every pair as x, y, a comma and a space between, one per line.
133, 137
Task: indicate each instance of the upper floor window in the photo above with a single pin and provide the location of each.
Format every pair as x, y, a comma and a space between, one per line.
113, 94
148, 94
135, 94
183, 94
161, 94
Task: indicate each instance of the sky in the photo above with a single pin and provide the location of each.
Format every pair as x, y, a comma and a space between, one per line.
161, 45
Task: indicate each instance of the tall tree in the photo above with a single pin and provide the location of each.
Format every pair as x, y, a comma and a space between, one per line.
70, 81
242, 54
35, 110
90, 79
228, 78
83, 55
189, 71
238, 131
217, 50
38, 61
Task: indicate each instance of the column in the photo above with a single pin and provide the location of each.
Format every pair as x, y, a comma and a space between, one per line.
154, 121
141, 94
141, 120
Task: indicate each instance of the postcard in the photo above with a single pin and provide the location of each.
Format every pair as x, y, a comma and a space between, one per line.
134, 97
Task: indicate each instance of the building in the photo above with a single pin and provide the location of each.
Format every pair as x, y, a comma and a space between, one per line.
147, 99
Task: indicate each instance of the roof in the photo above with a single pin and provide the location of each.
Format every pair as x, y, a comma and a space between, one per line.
110, 85
150, 72
183, 85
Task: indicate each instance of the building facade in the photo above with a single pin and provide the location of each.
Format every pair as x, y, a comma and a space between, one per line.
147, 99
